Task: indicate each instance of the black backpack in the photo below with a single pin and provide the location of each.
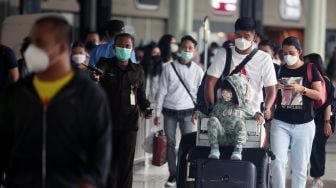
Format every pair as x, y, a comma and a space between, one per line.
201, 106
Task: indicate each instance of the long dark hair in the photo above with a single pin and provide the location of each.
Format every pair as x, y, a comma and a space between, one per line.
149, 67
315, 59
164, 45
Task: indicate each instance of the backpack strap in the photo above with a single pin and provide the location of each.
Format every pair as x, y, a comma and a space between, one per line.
309, 72
228, 61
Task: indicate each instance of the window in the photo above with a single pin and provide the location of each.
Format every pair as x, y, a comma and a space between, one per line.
291, 9
147, 4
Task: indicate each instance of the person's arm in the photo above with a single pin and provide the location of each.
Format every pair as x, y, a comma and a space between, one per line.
141, 92
163, 88
209, 87
11, 65
327, 126
14, 74
98, 142
270, 92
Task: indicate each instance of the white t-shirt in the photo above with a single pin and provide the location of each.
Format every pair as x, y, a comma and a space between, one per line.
259, 71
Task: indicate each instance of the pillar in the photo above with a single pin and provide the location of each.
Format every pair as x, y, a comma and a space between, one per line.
315, 32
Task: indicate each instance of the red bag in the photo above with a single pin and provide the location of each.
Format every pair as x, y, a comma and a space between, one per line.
319, 103
159, 149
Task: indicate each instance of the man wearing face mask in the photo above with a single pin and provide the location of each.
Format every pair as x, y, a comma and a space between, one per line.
54, 131
123, 82
259, 70
113, 28
176, 98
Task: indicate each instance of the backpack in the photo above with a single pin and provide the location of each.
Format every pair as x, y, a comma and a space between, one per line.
201, 106
319, 103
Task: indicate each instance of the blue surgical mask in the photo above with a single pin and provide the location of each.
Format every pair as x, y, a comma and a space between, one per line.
187, 56
123, 54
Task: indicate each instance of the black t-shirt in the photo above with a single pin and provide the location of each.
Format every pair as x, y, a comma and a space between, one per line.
293, 107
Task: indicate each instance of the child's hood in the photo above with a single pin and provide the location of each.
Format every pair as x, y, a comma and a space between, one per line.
241, 87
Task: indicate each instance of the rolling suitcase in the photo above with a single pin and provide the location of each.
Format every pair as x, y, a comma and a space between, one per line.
258, 156
213, 173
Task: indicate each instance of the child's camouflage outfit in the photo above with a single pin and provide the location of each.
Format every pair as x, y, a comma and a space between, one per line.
226, 125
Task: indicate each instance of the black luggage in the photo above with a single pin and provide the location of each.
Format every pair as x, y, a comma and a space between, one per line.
213, 173
258, 156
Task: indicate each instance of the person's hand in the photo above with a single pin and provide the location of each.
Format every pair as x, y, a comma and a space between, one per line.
327, 129
279, 86
148, 113
294, 87
194, 118
260, 119
267, 113
157, 121
96, 76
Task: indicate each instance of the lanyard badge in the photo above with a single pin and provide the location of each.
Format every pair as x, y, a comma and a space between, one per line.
132, 96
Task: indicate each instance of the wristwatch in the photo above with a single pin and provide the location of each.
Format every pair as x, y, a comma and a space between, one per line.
327, 121
304, 91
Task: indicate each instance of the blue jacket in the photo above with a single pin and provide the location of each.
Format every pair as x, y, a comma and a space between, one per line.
105, 50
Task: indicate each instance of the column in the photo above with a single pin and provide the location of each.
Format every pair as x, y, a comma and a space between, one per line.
180, 17
315, 32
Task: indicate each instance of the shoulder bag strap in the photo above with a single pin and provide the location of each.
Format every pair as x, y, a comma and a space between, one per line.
244, 62
183, 83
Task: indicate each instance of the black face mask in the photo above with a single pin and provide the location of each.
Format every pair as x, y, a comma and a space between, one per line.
156, 58
90, 45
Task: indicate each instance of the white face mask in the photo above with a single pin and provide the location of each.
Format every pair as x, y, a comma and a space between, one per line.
173, 47
242, 44
37, 60
227, 95
290, 59
78, 58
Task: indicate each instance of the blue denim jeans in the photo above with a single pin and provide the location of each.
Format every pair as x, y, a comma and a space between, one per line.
170, 125
300, 137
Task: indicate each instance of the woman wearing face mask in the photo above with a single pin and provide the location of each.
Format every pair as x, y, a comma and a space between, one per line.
152, 65
168, 48
79, 55
323, 126
293, 124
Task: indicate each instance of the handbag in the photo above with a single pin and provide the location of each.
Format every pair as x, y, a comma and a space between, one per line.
159, 148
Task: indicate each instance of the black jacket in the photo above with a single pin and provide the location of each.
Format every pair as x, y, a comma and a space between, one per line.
118, 84
77, 140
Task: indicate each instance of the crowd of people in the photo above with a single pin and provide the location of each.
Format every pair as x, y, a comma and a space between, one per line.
69, 109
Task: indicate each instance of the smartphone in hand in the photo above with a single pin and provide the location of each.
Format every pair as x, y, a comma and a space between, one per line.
148, 112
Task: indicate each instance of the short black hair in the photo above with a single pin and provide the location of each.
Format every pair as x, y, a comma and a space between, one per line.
266, 43
78, 44
114, 27
124, 35
245, 24
292, 41
190, 38
62, 28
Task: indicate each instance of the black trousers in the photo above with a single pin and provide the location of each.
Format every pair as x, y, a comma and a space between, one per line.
187, 142
123, 149
318, 154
